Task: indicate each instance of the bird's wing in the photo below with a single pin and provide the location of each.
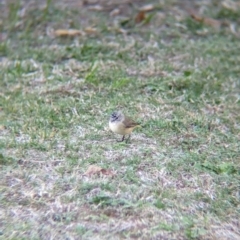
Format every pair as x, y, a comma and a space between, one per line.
129, 123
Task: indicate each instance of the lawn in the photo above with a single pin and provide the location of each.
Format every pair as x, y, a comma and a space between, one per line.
172, 65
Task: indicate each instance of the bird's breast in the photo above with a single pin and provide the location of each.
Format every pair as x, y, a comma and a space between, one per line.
117, 127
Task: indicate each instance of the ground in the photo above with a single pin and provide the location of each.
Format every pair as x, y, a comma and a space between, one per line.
66, 66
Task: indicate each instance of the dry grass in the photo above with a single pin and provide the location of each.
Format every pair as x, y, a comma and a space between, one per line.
179, 176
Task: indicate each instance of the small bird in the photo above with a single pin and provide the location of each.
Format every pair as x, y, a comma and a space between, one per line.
122, 125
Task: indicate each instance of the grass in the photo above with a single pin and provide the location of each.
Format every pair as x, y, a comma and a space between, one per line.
178, 178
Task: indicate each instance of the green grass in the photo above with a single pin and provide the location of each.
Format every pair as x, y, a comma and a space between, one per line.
179, 175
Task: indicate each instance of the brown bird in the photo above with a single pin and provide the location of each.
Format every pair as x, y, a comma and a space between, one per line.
122, 125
